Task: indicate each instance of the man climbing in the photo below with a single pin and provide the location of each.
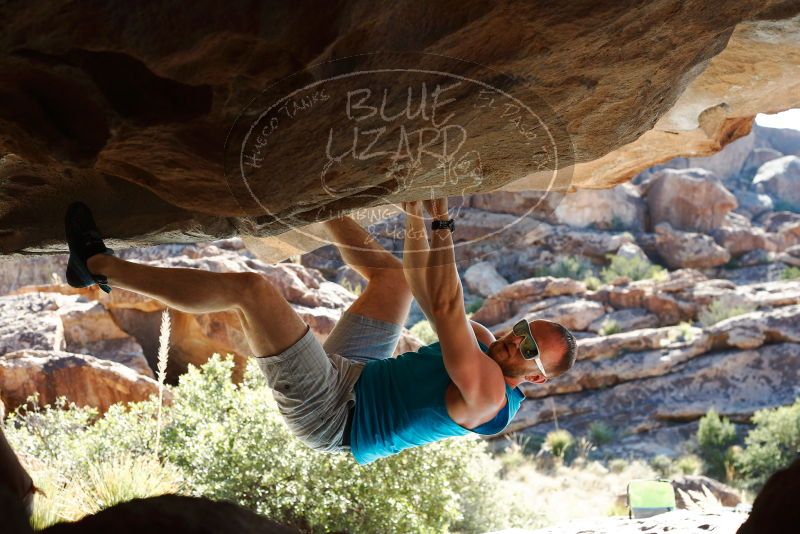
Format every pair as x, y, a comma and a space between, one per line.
348, 394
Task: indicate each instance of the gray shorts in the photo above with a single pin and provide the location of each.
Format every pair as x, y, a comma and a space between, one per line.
313, 383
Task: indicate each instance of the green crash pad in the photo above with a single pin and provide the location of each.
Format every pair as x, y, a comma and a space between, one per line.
647, 498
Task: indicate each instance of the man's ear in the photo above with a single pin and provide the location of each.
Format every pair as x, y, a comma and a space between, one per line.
536, 379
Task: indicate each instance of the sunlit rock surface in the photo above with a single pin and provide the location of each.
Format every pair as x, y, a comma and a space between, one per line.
129, 109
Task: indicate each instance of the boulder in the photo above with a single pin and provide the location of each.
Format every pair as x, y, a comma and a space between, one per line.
630, 251
688, 249
30, 322
783, 226
738, 236
790, 256
625, 320
691, 200
482, 278
511, 298
751, 330
611, 346
752, 204
44, 269
82, 379
571, 313
780, 179
617, 208
756, 158
592, 244
90, 329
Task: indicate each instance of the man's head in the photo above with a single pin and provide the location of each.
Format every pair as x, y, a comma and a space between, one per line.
557, 350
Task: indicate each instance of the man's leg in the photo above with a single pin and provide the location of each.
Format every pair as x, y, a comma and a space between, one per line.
269, 322
387, 296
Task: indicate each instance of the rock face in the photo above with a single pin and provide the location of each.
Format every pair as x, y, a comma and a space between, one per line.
482, 278
137, 127
620, 208
82, 379
692, 200
688, 249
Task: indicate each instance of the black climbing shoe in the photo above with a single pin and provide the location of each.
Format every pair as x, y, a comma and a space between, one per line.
84, 242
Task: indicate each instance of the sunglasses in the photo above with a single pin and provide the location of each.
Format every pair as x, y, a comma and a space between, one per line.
528, 347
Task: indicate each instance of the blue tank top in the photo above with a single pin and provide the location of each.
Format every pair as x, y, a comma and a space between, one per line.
400, 404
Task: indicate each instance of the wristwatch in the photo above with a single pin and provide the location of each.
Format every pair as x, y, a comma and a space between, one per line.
437, 224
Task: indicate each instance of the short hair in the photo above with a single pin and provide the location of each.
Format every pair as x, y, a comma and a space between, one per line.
566, 362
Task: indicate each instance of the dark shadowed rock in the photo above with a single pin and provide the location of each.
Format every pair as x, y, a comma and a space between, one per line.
173, 514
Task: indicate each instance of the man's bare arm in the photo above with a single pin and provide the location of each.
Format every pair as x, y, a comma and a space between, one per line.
478, 378
415, 256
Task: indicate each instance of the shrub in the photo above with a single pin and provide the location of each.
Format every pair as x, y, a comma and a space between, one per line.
683, 332
609, 327
592, 283
688, 465
723, 308
790, 273
573, 267
772, 444
559, 442
528, 444
424, 331
229, 442
715, 435
601, 434
662, 465
633, 268
617, 465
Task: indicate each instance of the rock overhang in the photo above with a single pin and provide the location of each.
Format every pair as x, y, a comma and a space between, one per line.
133, 119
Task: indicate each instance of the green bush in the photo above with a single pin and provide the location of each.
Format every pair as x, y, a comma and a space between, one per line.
592, 282
633, 268
771, 445
573, 267
559, 442
683, 332
601, 434
688, 465
662, 465
609, 327
424, 331
715, 435
723, 308
229, 442
790, 273
617, 465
